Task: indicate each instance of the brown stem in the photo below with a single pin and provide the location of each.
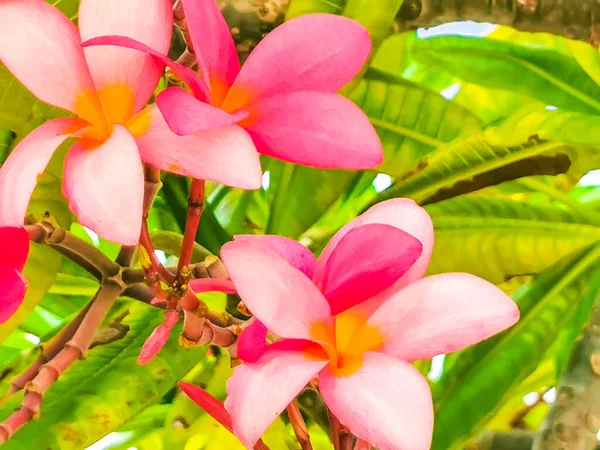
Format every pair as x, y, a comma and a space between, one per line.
299, 426
155, 264
188, 58
126, 255
340, 434
49, 351
198, 330
72, 350
194, 213
362, 445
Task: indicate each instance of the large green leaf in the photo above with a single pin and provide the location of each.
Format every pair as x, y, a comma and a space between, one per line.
498, 238
411, 121
107, 389
537, 142
546, 74
481, 378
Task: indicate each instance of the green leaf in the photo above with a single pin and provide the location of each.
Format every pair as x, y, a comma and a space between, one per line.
301, 195
498, 239
411, 121
481, 378
528, 143
376, 15
170, 242
546, 74
101, 393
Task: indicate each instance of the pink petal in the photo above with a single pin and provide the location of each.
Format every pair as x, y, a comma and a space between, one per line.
212, 42
296, 254
188, 76
401, 213
200, 285
185, 114
105, 186
387, 403
148, 21
316, 52
317, 129
276, 293
12, 291
366, 261
159, 337
442, 314
208, 403
19, 174
14, 246
258, 392
252, 343
225, 155
41, 47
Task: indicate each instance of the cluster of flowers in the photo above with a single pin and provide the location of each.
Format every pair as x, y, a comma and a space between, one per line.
356, 317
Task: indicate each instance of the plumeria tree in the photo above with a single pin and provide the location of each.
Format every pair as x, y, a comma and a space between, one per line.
301, 224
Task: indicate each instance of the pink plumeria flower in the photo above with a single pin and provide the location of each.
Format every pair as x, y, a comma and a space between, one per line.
285, 94
107, 88
14, 248
356, 322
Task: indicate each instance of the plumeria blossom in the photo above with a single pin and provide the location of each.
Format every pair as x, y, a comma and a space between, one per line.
14, 248
355, 319
284, 96
107, 88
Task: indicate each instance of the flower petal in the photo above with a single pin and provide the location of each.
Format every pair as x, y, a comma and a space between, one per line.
188, 76
401, 213
316, 52
12, 291
366, 261
441, 314
317, 129
296, 254
125, 78
285, 300
185, 114
42, 48
28, 160
252, 343
158, 338
14, 246
105, 186
258, 392
225, 155
200, 285
387, 403
208, 403
213, 44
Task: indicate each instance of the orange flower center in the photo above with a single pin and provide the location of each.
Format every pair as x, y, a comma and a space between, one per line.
344, 342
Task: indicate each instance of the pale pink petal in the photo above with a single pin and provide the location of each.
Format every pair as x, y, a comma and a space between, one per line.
105, 186
368, 260
212, 42
208, 403
225, 155
316, 129
316, 52
158, 338
200, 285
188, 76
19, 174
185, 114
258, 392
387, 403
442, 314
252, 343
133, 72
401, 213
276, 293
41, 47
292, 251
12, 291
14, 246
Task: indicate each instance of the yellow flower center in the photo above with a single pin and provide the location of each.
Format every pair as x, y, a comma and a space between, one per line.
345, 341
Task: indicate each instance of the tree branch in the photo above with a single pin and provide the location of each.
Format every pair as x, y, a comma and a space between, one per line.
574, 419
299, 426
576, 19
